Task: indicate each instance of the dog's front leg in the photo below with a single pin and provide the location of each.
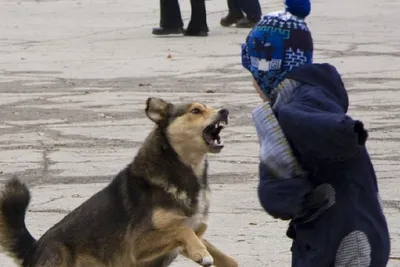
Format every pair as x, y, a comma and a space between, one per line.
162, 241
220, 259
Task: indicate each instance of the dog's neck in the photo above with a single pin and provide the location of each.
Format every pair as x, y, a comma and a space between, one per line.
196, 161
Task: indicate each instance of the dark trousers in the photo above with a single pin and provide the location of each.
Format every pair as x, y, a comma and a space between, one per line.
252, 8
170, 13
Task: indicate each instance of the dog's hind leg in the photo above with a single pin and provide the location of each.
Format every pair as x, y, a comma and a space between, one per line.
51, 255
86, 261
160, 242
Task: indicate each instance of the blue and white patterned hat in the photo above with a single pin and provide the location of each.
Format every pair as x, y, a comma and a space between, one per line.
278, 43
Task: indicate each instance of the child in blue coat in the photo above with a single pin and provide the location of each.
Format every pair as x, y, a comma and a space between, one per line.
315, 169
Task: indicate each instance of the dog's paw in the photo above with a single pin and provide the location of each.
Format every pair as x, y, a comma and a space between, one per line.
206, 261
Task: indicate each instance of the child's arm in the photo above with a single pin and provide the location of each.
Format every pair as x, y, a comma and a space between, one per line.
275, 151
282, 198
283, 187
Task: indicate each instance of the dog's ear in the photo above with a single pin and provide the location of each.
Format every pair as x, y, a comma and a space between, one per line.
157, 109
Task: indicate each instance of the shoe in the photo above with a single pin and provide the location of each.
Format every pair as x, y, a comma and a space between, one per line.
166, 31
246, 23
195, 33
232, 17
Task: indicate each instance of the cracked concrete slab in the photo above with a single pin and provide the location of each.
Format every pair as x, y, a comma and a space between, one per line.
74, 76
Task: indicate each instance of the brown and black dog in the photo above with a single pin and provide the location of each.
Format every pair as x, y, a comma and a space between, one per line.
153, 210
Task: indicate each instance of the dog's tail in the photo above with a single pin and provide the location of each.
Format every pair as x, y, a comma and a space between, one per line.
15, 238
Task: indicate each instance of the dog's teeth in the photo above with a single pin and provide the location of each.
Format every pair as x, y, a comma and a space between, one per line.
216, 126
218, 142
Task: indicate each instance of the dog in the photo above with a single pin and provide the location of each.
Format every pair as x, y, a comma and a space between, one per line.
153, 210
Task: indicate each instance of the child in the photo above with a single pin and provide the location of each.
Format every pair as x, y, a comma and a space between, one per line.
315, 170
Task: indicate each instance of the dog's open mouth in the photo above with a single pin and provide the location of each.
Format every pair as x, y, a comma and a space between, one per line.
211, 133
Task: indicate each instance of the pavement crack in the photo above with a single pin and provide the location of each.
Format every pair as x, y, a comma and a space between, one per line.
392, 204
60, 211
48, 201
45, 160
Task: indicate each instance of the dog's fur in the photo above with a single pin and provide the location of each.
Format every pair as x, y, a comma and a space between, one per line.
153, 209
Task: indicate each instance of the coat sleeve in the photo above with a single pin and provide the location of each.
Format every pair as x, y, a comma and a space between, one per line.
282, 198
275, 151
283, 187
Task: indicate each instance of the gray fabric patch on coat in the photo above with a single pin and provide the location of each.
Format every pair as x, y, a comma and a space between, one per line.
321, 199
354, 251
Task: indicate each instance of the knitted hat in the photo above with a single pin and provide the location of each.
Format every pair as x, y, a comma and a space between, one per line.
278, 43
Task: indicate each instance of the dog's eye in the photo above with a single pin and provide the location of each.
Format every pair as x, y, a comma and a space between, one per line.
196, 111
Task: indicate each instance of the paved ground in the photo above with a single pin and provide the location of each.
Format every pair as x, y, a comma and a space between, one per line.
74, 76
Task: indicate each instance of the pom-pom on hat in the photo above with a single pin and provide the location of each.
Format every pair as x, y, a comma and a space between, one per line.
278, 43
298, 8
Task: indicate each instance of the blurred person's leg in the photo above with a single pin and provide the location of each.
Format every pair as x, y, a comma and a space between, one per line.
198, 20
253, 12
170, 18
235, 13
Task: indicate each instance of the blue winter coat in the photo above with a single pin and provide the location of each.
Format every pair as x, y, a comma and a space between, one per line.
335, 212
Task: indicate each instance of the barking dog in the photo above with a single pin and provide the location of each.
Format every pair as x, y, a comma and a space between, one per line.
153, 209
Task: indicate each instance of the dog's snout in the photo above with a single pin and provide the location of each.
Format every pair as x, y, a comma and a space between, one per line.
224, 112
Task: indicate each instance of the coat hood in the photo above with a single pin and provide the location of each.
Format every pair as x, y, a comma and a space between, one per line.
315, 121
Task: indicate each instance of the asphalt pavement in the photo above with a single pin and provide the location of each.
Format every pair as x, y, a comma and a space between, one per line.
74, 77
